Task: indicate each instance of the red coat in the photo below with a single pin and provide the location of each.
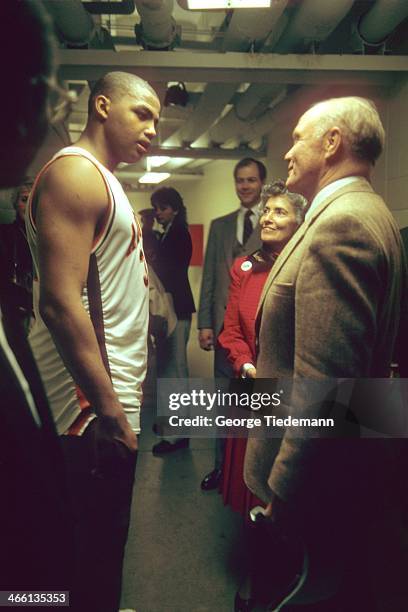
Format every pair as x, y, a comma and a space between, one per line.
248, 276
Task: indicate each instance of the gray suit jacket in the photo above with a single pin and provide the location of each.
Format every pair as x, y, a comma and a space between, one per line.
220, 253
330, 308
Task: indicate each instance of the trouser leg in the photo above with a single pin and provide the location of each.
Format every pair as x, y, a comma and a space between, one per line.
101, 500
172, 362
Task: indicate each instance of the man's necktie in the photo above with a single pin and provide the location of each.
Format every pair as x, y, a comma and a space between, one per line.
248, 227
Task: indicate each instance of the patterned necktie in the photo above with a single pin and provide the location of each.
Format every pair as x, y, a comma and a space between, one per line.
248, 227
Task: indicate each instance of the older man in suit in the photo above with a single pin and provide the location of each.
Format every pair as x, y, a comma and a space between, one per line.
230, 237
330, 309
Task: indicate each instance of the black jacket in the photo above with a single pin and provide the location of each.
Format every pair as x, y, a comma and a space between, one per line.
171, 266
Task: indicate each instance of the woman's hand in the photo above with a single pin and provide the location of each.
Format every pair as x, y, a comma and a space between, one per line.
251, 372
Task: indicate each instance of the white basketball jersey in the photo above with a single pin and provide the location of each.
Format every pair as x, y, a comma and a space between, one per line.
116, 299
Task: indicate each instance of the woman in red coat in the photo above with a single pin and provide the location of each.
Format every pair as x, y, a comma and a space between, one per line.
282, 214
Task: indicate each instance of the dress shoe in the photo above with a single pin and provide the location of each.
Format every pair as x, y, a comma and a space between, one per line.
243, 605
211, 481
164, 447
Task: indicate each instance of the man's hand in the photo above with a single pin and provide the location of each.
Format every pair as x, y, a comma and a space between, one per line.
206, 339
275, 510
251, 373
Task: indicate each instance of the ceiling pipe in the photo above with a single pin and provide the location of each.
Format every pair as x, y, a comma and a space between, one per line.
157, 29
284, 114
313, 18
126, 7
382, 18
211, 103
248, 29
281, 120
251, 104
72, 22
247, 131
245, 28
313, 21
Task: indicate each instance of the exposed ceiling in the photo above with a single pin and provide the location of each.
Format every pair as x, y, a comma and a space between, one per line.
243, 70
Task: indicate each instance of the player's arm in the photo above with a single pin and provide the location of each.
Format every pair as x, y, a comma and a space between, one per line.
70, 209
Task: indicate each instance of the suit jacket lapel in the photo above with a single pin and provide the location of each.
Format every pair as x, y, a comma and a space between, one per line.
292, 244
253, 241
361, 185
230, 234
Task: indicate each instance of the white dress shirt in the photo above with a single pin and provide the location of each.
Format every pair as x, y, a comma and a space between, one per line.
241, 217
328, 191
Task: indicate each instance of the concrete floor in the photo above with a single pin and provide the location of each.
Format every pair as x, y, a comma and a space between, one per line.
185, 549
183, 552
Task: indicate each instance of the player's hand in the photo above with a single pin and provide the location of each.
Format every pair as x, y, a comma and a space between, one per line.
128, 437
206, 339
117, 426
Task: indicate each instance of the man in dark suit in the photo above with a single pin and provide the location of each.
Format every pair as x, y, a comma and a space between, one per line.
230, 236
330, 309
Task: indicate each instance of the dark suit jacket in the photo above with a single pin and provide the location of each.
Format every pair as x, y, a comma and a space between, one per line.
222, 249
401, 348
171, 266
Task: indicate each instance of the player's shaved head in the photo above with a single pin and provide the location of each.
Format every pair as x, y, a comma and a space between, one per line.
115, 85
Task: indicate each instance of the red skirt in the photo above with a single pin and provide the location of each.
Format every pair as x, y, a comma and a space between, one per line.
234, 491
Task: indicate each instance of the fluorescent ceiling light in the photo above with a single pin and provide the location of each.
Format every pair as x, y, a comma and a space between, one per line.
154, 177
227, 4
157, 160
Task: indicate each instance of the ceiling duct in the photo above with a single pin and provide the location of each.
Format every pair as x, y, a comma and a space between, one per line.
251, 104
73, 23
248, 131
311, 22
211, 103
244, 28
382, 18
248, 29
283, 114
314, 19
125, 7
280, 121
157, 30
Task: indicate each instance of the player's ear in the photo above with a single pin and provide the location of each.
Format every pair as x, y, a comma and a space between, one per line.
102, 105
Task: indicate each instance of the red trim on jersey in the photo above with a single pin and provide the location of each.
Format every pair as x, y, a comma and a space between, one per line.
80, 422
82, 401
95, 309
31, 196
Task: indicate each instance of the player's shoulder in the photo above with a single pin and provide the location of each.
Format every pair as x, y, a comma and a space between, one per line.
75, 175
65, 168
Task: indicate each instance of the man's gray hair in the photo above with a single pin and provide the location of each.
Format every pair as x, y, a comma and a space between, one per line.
278, 188
359, 122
